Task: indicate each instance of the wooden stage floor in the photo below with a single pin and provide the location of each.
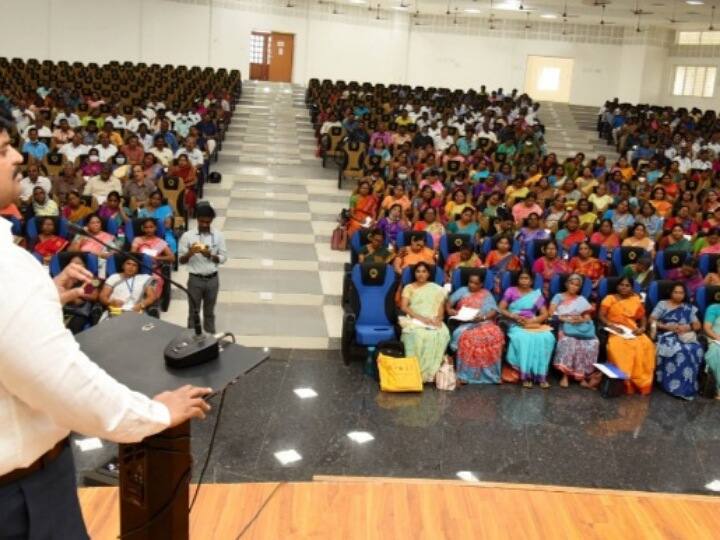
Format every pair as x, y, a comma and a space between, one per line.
385, 508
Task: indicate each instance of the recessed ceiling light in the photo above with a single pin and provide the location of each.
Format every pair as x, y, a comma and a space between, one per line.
548, 16
305, 393
360, 437
358, 1
288, 456
472, 10
694, 2
468, 476
713, 486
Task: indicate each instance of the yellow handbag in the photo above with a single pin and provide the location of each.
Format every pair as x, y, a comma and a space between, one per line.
399, 374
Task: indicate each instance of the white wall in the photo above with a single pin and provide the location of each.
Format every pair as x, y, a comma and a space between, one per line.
681, 101
325, 46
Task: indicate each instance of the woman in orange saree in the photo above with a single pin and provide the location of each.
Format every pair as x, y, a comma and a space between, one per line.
624, 312
363, 205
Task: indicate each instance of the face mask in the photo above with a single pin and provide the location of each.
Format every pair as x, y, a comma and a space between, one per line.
120, 160
402, 176
94, 158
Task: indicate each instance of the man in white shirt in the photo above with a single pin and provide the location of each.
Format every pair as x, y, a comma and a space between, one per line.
105, 150
48, 387
160, 150
73, 119
74, 149
194, 154
684, 162
134, 123
117, 119
31, 181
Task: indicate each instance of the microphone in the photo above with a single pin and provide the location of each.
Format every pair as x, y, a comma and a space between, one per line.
190, 348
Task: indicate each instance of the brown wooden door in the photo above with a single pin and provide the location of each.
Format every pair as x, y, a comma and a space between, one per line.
259, 52
281, 57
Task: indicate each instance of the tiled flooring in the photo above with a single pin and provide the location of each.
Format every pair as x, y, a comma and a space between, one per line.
499, 433
277, 207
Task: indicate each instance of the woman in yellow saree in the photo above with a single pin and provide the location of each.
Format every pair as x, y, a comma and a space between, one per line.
635, 356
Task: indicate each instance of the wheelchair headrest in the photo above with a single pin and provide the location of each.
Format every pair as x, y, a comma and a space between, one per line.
373, 274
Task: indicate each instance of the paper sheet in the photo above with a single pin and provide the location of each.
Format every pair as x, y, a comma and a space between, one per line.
466, 314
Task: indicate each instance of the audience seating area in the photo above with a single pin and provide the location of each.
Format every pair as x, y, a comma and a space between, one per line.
578, 259
122, 150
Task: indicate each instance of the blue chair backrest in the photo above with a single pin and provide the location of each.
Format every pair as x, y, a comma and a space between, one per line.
373, 296
115, 262
557, 285
357, 241
706, 296
61, 227
408, 274
659, 290
608, 285
460, 277
509, 279
403, 238
667, 260
625, 255
533, 250
134, 229
16, 228
60, 260
708, 263
450, 243
489, 244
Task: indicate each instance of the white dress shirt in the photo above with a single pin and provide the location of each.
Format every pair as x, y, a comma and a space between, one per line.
195, 157
198, 263
105, 152
72, 152
48, 387
118, 122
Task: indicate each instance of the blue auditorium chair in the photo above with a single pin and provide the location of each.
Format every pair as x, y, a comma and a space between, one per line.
60, 260
115, 262
533, 250
659, 290
16, 228
61, 227
668, 260
608, 285
622, 256
706, 296
371, 315
708, 263
509, 279
450, 243
490, 242
133, 229
460, 277
404, 237
598, 251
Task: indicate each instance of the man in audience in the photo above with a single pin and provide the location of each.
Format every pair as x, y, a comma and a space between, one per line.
138, 188
63, 134
195, 155
35, 147
203, 251
133, 151
138, 119
160, 150
31, 181
66, 181
116, 119
74, 149
100, 186
106, 151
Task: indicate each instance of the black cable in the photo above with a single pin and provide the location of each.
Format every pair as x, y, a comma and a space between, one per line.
259, 511
185, 476
210, 448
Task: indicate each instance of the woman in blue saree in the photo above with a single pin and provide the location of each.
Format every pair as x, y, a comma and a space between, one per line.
679, 355
156, 209
712, 356
531, 341
479, 343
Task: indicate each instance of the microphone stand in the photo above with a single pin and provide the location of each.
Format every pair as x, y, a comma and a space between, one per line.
188, 349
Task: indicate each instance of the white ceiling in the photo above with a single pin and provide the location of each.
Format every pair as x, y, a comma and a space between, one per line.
657, 13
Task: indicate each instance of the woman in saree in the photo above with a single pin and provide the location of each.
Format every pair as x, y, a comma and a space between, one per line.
531, 231
187, 173
112, 210
363, 208
679, 354
393, 224
605, 235
577, 346
712, 356
465, 224
638, 237
159, 211
375, 250
531, 341
48, 242
571, 234
479, 343
424, 334
430, 224
75, 210
585, 264
154, 246
502, 258
93, 227
620, 312
550, 264
676, 240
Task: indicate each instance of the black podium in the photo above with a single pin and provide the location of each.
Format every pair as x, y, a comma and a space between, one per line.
155, 473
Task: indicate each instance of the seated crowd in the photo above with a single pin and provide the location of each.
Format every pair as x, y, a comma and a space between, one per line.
128, 174
566, 262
